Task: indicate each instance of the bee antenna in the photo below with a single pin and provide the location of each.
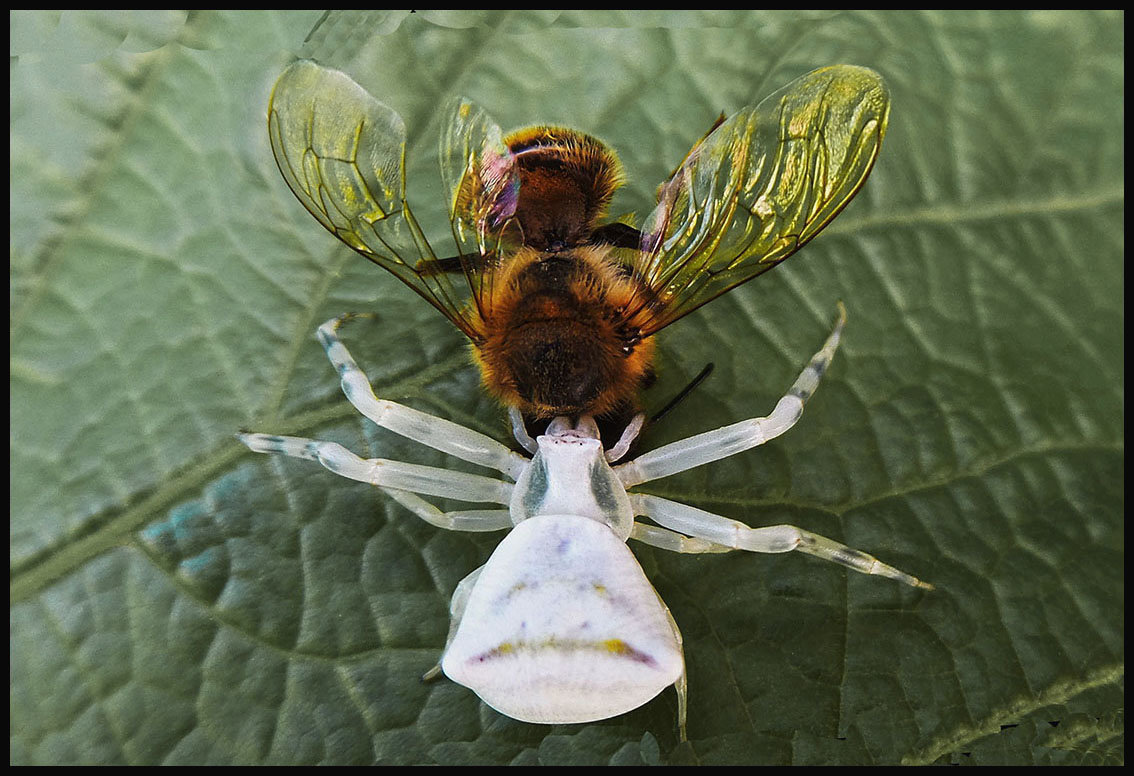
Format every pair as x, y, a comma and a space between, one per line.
700, 378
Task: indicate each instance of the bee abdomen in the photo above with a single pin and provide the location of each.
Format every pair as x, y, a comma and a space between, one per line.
558, 341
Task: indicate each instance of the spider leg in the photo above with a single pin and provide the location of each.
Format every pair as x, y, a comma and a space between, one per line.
776, 538
713, 445
520, 431
457, 605
428, 480
629, 434
665, 539
430, 430
460, 520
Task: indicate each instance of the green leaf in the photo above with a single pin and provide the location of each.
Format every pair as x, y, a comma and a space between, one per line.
177, 599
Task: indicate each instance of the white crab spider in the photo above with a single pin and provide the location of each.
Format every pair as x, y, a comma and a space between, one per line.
561, 624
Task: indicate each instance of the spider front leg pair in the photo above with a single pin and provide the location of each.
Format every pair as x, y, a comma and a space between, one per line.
402, 480
561, 625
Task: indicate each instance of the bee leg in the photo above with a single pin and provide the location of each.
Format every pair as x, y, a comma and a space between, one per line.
451, 264
738, 437
776, 538
430, 430
399, 476
619, 235
684, 392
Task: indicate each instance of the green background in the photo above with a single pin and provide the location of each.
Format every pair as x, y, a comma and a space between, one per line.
177, 599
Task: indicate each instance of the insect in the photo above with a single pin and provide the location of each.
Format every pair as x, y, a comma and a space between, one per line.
561, 624
561, 307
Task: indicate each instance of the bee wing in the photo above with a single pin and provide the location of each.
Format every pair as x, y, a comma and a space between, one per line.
759, 186
483, 180
342, 153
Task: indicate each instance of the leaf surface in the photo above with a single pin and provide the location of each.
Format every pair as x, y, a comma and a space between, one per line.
176, 599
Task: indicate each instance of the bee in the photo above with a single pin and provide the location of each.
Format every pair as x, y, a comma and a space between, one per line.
561, 305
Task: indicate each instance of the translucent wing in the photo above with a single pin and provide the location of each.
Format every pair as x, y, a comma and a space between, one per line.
759, 186
343, 154
483, 180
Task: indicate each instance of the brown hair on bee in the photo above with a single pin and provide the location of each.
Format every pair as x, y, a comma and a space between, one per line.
557, 340
566, 181
555, 335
